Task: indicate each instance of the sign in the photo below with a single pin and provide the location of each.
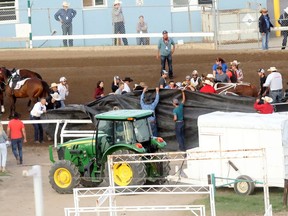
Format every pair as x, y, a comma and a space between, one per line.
248, 19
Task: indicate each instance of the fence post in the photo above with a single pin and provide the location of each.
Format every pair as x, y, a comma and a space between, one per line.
30, 21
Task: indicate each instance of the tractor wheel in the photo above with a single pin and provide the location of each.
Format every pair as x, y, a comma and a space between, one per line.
244, 187
64, 176
162, 169
127, 174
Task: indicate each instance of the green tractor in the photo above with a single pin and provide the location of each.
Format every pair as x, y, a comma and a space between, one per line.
84, 160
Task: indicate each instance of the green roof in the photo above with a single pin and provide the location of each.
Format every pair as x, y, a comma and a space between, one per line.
124, 114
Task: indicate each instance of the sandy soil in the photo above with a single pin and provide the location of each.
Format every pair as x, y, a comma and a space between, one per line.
83, 68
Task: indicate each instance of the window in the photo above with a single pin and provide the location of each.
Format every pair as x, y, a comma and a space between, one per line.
182, 5
94, 3
7, 10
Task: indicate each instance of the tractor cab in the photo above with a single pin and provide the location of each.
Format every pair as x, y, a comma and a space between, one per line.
123, 127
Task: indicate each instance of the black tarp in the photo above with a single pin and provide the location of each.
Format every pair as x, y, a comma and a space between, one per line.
196, 104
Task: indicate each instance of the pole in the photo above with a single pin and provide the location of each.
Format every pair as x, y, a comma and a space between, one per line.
215, 8
277, 15
30, 21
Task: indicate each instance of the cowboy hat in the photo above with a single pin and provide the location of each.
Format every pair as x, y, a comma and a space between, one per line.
56, 96
65, 4
234, 62
117, 2
286, 10
62, 79
272, 69
267, 99
208, 82
263, 10
53, 85
128, 79
210, 76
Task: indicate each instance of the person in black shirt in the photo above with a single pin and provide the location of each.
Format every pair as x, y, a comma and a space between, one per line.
115, 83
263, 90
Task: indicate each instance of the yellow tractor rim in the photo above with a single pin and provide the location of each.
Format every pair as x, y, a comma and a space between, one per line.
62, 177
123, 174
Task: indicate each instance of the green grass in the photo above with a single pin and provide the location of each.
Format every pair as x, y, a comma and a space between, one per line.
227, 202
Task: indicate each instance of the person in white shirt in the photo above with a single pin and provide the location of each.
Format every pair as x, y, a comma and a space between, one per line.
126, 82
274, 82
38, 109
63, 90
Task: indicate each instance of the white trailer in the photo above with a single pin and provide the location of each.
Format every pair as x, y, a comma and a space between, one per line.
223, 131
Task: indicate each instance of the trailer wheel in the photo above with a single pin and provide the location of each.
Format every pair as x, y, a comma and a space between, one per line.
64, 176
244, 187
125, 173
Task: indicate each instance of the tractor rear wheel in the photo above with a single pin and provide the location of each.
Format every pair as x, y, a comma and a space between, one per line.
125, 173
64, 176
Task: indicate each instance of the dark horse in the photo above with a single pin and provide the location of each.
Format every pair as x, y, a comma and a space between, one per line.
33, 88
240, 89
23, 73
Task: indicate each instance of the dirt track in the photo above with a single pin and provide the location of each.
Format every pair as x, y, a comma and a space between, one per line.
83, 68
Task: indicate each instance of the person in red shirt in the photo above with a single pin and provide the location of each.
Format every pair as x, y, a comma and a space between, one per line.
266, 107
99, 91
16, 132
208, 87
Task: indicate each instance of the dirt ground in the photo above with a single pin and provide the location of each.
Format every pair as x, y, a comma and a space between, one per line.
83, 68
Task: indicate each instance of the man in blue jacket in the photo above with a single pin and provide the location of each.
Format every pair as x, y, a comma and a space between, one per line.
264, 27
65, 17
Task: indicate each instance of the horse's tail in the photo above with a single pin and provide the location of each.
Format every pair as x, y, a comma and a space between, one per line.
46, 89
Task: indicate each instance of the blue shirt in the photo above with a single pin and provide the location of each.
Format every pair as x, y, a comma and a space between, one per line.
267, 22
224, 67
165, 47
151, 106
65, 16
178, 112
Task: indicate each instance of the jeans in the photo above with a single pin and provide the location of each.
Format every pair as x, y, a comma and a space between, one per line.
179, 129
163, 63
62, 104
276, 96
119, 28
153, 125
284, 42
17, 148
142, 40
265, 40
67, 29
38, 130
3, 154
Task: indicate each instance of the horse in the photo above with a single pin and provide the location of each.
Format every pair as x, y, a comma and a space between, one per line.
239, 89
33, 88
23, 73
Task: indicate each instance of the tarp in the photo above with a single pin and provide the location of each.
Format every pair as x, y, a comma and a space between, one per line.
196, 104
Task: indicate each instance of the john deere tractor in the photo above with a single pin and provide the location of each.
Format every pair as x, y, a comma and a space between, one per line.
84, 160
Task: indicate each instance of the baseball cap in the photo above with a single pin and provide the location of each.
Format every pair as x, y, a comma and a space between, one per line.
164, 32
62, 79
261, 70
117, 77
164, 72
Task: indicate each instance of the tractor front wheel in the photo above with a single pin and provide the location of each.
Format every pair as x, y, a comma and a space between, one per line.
127, 174
64, 176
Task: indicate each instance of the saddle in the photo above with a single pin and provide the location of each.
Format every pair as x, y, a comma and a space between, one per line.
18, 84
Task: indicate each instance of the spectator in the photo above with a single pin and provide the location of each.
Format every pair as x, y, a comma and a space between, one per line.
221, 76
140, 86
264, 28
232, 74
263, 91
53, 101
17, 134
38, 109
208, 87
149, 104
162, 81
142, 28
235, 67
171, 85
118, 20
63, 90
115, 83
127, 81
283, 21
120, 89
274, 82
166, 51
265, 107
3, 149
219, 62
196, 81
178, 117
99, 90
65, 17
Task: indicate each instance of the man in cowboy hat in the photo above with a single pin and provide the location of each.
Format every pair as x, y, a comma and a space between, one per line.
283, 21
274, 82
118, 20
126, 82
235, 67
265, 107
264, 27
65, 16
208, 87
